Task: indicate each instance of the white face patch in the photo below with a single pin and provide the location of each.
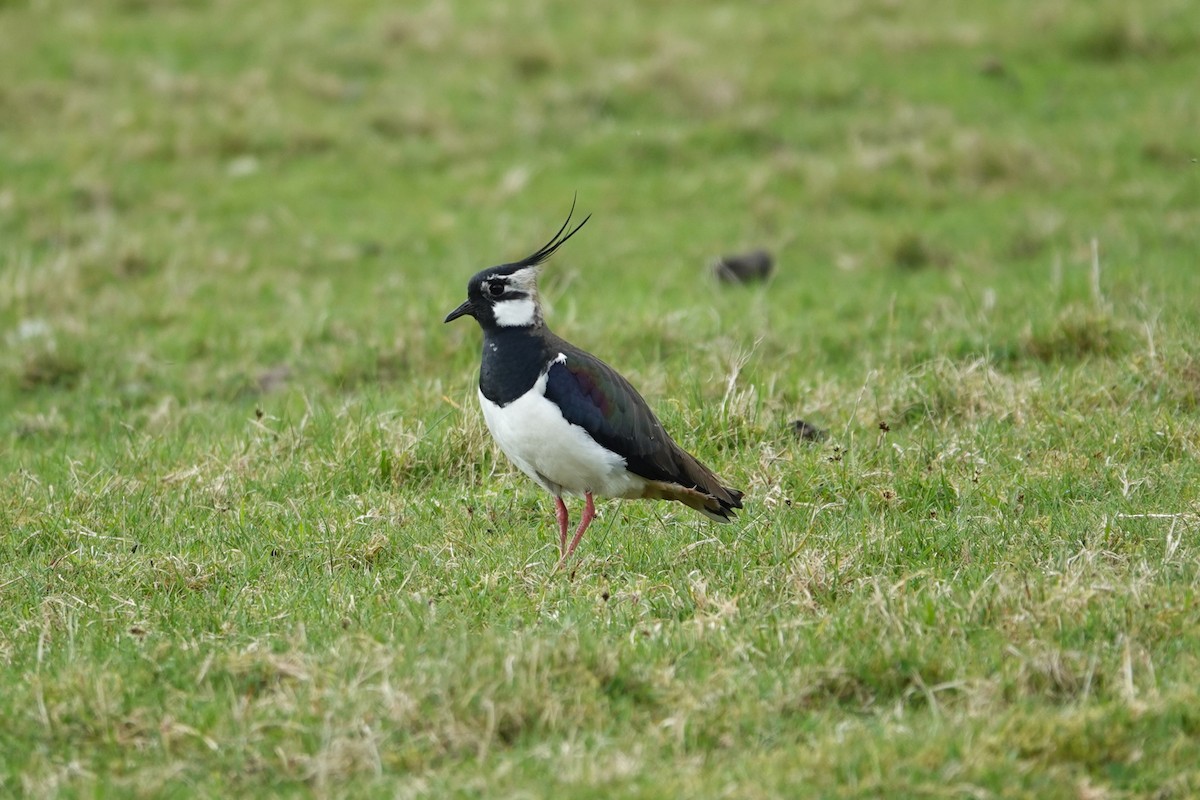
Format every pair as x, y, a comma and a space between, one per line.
515, 313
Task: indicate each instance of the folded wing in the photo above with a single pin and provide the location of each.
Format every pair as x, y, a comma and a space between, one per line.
597, 398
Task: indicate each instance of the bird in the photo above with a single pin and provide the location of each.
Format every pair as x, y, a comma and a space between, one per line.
744, 267
567, 419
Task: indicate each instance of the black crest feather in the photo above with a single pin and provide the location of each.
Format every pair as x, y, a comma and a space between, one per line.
555, 242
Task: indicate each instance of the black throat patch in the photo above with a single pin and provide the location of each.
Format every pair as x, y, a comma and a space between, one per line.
513, 360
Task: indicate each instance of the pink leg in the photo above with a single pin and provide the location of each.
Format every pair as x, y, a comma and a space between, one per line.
589, 514
560, 511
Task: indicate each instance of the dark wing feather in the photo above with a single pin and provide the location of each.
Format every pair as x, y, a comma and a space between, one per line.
594, 396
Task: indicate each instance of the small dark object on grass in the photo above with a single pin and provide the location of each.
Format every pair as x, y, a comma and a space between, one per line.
744, 268
808, 431
993, 67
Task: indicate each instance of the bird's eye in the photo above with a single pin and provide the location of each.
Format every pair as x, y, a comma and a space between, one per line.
495, 289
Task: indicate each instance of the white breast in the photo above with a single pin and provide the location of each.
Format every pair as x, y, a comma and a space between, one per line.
560, 456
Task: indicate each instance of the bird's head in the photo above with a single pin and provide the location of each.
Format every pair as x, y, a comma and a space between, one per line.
506, 296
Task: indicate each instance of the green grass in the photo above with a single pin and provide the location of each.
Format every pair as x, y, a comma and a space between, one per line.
254, 538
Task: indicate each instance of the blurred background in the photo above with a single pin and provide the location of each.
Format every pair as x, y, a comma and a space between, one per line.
203, 201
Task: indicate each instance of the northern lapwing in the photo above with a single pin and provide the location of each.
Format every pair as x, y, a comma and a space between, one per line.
567, 419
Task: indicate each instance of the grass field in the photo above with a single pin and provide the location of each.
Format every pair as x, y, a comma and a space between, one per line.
254, 538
